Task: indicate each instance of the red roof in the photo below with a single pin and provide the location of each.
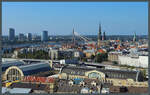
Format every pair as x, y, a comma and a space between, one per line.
50, 45
133, 47
117, 40
17, 48
38, 79
91, 45
101, 51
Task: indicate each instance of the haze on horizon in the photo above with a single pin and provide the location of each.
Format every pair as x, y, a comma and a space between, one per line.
59, 18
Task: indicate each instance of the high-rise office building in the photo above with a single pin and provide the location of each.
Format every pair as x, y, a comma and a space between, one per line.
44, 36
11, 34
29, 36
21, 37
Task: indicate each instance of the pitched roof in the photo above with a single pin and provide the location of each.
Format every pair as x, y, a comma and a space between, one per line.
101, 51
33, 86
76, 70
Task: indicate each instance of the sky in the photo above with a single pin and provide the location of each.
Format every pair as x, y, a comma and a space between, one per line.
59, 18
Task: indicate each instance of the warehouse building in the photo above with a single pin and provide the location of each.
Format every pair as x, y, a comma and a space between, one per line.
18, 72
7, 64
72, 72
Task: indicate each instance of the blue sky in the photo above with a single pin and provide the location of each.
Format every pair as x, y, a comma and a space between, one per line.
58, 18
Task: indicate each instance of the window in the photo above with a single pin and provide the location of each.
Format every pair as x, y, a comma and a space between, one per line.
94, 75
120, 76
116, 75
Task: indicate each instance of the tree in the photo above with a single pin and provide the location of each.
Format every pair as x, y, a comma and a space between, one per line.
92, 57
40, 54
144, 73
84, 59
100, 57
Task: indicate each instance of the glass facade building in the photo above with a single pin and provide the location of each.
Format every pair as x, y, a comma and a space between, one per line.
44, 36
11, 34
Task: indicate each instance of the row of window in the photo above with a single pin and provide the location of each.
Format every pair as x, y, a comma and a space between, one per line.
108, 74
77, 73
117, 75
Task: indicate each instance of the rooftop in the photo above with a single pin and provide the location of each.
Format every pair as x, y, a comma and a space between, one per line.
16, 90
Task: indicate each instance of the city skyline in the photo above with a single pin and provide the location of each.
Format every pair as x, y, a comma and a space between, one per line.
75, 47
57, 19
41, 34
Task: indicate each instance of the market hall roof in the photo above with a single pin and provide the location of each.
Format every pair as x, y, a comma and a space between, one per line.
110, 73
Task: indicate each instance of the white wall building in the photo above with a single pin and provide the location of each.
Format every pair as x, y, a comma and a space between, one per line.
140, 61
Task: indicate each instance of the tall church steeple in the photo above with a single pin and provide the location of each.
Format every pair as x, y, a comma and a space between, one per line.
73, 37
99, 33
99, 36
104, 36
134, 38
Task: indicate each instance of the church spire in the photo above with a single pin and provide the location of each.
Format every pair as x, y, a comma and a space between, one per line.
99, 33
73, 38
104, 36
134, 38
99, 38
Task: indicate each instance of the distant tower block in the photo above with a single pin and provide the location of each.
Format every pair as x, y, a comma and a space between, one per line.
99, 36
134, 38
11, 34
29, 36
44, 36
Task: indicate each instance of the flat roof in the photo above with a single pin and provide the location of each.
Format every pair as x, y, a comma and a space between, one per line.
16, 90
